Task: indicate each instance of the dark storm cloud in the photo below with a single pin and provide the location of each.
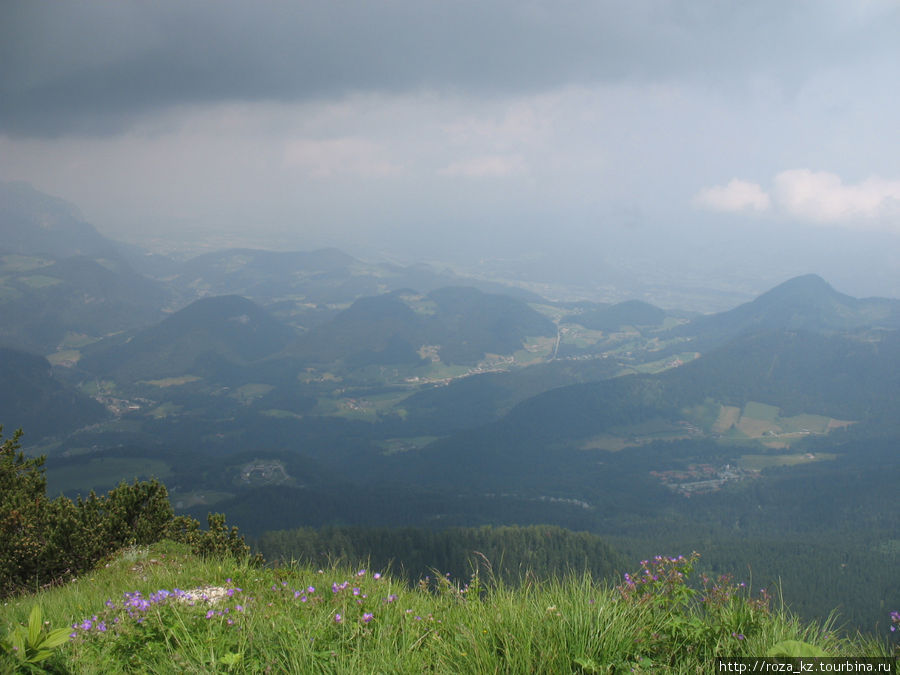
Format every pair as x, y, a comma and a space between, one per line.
95, 67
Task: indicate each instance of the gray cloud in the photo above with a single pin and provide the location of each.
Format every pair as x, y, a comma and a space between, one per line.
96, 68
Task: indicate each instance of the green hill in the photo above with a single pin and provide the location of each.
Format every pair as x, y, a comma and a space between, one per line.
229, 328
806, 303
304, 287
29, 390
461, 324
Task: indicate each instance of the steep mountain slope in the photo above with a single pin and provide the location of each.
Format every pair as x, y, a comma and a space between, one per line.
36, 224
33, 399
226, 327
64, 283
77, 296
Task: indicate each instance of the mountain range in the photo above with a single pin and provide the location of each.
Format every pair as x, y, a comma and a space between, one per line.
311, 388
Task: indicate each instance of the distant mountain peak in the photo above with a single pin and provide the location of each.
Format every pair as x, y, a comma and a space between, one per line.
35, 223
805, 285
807, 302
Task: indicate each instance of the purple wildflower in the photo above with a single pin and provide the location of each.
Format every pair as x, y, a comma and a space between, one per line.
367, 617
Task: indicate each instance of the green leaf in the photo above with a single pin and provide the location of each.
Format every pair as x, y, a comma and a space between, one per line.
56, 638
34, 626
587, 664
42, 655
231, 659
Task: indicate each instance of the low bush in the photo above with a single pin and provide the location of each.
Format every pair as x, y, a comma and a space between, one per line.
43, 541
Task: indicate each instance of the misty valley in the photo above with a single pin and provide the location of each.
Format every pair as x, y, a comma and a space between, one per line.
410, 414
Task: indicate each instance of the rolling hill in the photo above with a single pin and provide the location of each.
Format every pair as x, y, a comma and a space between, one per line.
794, 373
229, 327
460, 324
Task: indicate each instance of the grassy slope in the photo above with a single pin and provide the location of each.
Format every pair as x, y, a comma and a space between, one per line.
353, 622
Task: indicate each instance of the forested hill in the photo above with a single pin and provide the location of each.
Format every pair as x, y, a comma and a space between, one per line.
228, 327
806, 303
461, 324
797, 373
29, 391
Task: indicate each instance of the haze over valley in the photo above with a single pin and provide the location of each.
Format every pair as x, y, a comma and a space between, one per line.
385, 283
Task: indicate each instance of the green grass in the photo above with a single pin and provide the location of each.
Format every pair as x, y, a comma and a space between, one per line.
581, 337
40, 281
98, 387
761, 411
165, 409
250, 392
345, 620
64, 356
660, 365
281, 414
22, 263
394, 445
365, 408
77, 340
760, 462
172, 381
816, 424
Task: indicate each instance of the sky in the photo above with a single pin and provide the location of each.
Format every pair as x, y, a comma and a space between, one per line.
640, 144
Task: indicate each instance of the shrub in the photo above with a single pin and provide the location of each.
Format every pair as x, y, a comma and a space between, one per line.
22, 511
42, 541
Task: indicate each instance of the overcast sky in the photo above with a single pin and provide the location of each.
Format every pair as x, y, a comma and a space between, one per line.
707, 136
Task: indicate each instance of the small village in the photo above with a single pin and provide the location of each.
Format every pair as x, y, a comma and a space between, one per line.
702, 478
